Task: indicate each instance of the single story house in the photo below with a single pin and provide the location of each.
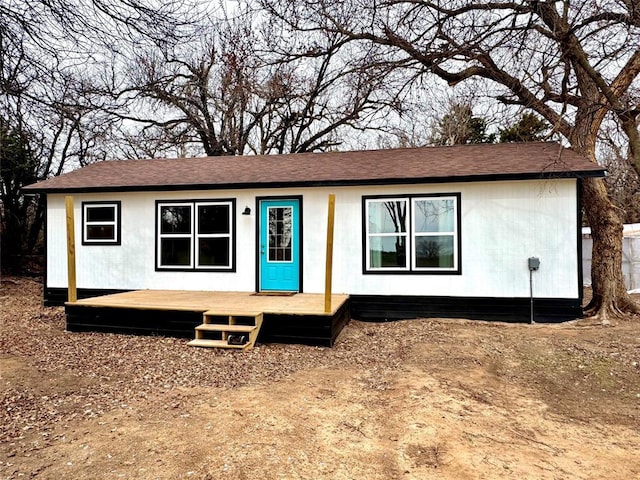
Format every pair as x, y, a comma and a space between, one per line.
433, 231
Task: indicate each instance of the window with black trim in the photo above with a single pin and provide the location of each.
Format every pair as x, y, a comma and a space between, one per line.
101, 223
195, 235
412, 234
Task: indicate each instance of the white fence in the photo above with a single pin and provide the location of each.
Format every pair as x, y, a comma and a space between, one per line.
630, 256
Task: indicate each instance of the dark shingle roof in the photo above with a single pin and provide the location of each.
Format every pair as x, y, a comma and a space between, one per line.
367, 167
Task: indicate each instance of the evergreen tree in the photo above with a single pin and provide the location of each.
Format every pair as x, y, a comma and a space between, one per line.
529, 128
459, 126
18, 168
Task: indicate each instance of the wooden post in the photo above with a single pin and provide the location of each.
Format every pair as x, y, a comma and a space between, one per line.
329, 264
71, 249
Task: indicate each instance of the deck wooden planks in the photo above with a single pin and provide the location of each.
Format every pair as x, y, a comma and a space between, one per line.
299, 304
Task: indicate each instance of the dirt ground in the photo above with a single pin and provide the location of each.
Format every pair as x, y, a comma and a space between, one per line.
418, 399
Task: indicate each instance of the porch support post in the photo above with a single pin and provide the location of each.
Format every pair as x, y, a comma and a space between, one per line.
329, 262
71, 250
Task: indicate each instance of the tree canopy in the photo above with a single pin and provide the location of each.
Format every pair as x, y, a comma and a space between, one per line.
83, 82
460, 126
575, 64
529, 128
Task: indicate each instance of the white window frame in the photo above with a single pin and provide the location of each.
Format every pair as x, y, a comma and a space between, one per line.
115, 223
369, 235
198, 236
411, 235
415, 234
160, 236
194, 236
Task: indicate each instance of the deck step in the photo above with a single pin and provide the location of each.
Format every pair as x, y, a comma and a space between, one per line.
223, 327
202, 342
229, 328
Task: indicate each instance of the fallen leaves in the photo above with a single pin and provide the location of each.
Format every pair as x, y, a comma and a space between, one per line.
51, 378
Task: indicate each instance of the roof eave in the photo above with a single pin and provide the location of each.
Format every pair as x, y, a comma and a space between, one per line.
32, 189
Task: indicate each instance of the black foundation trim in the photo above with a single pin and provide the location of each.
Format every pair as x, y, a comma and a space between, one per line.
386, 308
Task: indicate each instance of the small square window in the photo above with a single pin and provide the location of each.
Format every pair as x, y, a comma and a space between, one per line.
101, 223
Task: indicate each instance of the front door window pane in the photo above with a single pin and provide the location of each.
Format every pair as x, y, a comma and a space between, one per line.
280, 234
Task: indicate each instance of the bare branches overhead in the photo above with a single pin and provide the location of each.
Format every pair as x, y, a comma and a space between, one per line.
575, 63
556, 58
240, 88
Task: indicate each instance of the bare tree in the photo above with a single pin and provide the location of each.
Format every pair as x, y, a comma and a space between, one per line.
60, 27
50, 123
460, 126
623, 182
196, 97
55, 57
235, 90
569, 61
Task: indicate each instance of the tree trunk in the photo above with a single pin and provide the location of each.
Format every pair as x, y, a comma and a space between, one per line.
610, 298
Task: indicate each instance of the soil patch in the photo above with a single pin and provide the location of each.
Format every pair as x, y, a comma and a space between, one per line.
414, 399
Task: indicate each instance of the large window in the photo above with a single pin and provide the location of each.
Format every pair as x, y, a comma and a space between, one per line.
195, 235
101, 223
412, 234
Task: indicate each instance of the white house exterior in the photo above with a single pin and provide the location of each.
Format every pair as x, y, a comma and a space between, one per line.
418, 238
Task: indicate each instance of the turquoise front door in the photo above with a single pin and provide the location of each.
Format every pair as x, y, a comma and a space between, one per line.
280, 245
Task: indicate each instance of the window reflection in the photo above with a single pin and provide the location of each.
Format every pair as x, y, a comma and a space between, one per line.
204, 241
434, 215
414, 233
280, 234
176, 219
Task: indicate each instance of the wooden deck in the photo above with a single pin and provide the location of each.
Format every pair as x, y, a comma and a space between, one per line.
232, 302
298, 318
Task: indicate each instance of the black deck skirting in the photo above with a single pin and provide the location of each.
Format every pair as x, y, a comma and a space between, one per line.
172, 323
320, 330
386, 308
314, 329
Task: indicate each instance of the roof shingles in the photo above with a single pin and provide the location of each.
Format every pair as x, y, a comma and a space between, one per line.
408, 165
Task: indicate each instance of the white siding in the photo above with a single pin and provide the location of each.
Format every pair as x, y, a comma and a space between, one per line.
503, 224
